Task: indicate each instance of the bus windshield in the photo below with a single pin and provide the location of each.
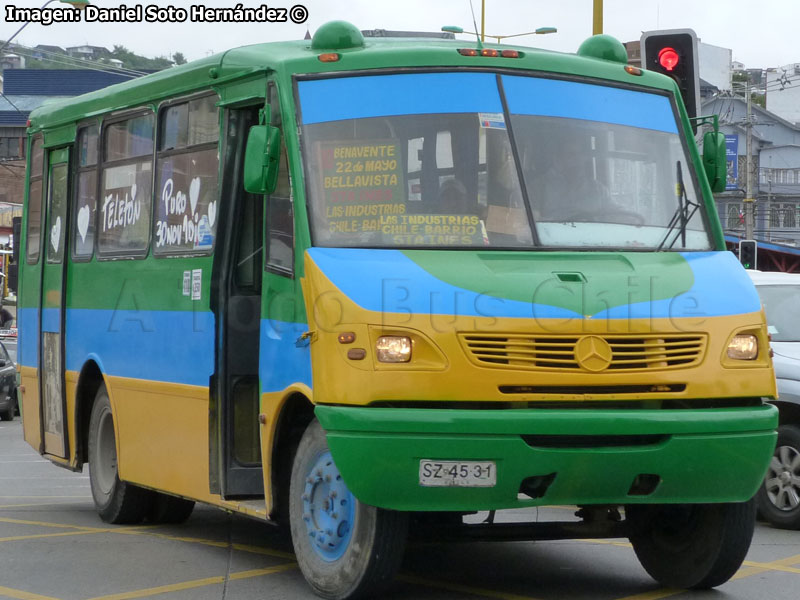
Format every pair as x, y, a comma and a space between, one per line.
487, 160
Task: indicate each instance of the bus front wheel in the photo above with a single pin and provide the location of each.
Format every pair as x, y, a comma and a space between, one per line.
692, 546
116, 501
345, 549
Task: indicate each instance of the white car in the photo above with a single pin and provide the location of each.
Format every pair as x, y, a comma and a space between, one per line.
779, 497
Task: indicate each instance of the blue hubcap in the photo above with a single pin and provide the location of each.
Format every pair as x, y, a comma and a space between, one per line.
328, 509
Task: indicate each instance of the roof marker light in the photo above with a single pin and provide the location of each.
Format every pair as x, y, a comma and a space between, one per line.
510, 54
489, 52
468, 52
633, 70
329, 57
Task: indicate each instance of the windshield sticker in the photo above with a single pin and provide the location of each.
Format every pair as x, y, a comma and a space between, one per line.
492, 120
181, 223
121, 209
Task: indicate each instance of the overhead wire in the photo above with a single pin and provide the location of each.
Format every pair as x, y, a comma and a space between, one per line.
67, 60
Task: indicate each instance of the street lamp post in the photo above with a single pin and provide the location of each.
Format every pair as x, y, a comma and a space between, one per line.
539, 31
79, 4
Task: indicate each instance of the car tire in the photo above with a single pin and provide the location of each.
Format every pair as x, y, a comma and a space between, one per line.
116, 501
779, 496
345, 549
691, 546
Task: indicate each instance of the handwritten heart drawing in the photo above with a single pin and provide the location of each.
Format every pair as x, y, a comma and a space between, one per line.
55, 233
212, 213
83, 222
133, 192
194, 192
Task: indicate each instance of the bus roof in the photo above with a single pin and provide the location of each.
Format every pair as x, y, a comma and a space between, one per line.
302, 57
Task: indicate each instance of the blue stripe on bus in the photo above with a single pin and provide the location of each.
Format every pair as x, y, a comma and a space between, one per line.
167, 346
51, 320
283, 359
388, 281
576, 100
323, 100
28, 337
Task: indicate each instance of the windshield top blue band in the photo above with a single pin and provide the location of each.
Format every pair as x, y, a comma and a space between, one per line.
574, 100
325, 100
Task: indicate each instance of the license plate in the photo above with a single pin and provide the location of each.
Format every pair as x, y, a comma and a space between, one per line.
457, 473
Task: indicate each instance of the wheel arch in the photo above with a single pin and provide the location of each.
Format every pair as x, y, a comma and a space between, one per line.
296, 412
89, 381
789, 412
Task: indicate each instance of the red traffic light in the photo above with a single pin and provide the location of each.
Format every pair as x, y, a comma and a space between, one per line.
668, 58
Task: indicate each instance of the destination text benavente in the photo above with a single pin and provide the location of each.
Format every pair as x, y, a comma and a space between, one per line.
152, 13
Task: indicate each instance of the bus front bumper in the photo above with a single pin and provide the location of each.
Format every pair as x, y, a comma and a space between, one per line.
597, 457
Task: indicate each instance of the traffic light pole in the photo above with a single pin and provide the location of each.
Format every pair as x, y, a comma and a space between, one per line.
749, 202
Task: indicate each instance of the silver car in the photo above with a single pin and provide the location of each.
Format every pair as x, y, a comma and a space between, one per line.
779, 497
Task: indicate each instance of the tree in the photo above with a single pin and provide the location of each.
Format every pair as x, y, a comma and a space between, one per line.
178, 58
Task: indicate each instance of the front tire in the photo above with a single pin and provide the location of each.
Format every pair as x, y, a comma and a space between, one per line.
345, 549
779, 496
692, 546
116, 501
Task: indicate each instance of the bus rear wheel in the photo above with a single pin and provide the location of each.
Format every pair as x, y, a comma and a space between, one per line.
169, 509
345, 549
116, 501
692, 546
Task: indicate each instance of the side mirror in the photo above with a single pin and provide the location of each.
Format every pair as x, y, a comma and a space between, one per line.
261, 159
714, 160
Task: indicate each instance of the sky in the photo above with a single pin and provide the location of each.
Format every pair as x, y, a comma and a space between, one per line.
760, 34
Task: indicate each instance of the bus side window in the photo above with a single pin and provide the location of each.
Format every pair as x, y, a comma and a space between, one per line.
124, 228
35, 201
250, 207
187, 178
280, 215
86, 194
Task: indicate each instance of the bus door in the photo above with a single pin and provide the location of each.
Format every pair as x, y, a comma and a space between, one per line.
51, 343
235, 465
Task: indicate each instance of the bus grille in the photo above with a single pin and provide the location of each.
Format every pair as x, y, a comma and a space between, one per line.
558, 352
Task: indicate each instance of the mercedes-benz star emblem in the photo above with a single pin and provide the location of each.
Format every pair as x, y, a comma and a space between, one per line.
593, 353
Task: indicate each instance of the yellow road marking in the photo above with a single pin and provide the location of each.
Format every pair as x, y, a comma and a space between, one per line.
654, 594
757, 568
56, 525
771, 567
606, 542
455, 587
18, 538
196, 583
4, 591
217, 544
4, 506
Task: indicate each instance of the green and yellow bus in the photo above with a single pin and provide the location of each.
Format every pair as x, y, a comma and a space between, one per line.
367, 287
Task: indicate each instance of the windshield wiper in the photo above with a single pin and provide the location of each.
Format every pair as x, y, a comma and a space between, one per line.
682, 215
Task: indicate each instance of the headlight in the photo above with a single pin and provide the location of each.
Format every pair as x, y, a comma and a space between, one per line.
393, 349
743, 347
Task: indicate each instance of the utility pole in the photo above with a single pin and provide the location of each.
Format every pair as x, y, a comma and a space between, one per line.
597, 19
749, 202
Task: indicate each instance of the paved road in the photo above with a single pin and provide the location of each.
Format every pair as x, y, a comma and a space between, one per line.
53, 546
